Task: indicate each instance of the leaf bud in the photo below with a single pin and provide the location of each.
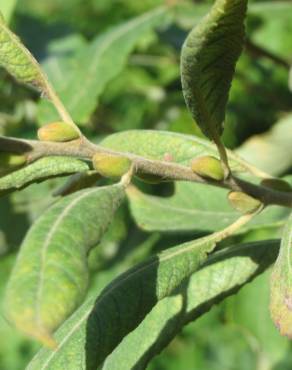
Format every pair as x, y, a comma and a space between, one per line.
58, 131
243, 203
110, 165
208, 167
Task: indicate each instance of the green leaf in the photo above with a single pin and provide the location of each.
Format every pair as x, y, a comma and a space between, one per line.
18, 61
117, 310
194, 207
281, 284
208, 60
7, 8
163, 145
271, 151
222, 275
41, 170
95, 65
50, 276
271, 347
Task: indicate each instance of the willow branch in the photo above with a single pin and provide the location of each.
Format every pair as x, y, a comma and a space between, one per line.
84, 149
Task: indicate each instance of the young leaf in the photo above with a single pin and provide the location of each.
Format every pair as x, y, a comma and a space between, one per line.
281, 284
18, 61
95, 65
50, 276
208, 60
41, 170
223, 274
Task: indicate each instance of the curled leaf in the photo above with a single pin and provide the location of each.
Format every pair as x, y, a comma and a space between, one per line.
18, 61
208, 60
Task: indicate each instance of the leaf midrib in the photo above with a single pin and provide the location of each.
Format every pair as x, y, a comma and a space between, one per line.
44, 250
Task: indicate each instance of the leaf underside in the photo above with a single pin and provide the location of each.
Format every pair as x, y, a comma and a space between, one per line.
208, 60
41, 170
18, 61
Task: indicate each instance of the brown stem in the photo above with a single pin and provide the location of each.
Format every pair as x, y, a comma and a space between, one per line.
82, 148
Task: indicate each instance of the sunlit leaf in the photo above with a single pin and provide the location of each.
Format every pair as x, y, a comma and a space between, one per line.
50, 276
41, 170
80, 337
7, 8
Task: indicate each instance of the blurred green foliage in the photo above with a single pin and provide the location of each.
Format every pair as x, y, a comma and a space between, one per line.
236, 335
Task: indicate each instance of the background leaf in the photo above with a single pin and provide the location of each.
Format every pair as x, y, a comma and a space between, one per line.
269, 346
50, 277
95, 65
271, 151
208, 60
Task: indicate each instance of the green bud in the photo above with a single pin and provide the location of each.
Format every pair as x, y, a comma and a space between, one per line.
58, 131
208, 167
109, 165
277, 184
243, 203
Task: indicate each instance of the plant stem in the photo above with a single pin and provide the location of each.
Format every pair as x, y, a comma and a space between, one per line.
222, 154
64, 114
84, 149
